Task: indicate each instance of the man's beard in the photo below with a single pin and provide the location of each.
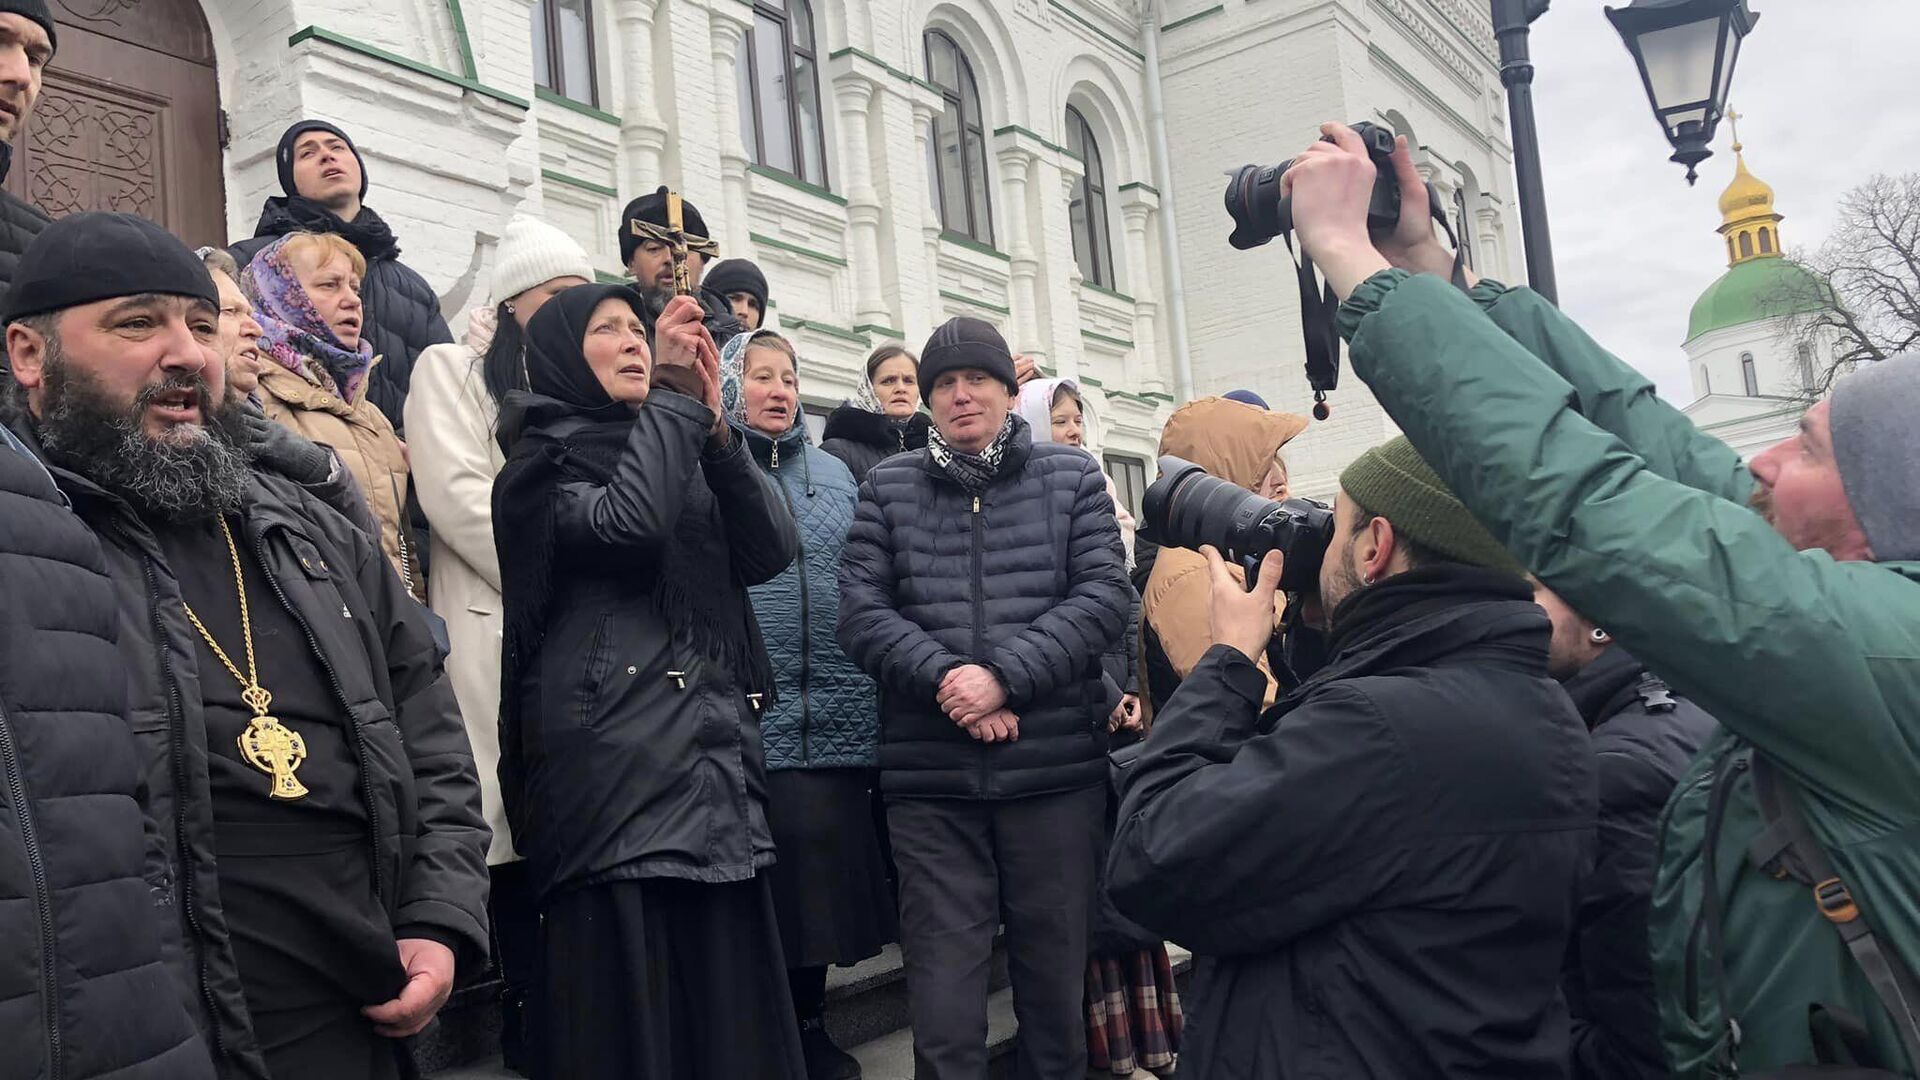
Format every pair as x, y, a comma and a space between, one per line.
192, 473
1761, 502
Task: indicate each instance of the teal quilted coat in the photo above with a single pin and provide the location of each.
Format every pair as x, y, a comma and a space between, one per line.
826, 715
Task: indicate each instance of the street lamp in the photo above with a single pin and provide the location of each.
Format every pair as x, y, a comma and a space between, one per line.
1686, 50
1511, 20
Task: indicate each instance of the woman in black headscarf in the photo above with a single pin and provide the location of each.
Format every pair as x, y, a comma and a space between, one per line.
629, 525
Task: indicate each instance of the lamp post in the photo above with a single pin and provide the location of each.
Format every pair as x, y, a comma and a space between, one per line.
1685, 50
1511, 20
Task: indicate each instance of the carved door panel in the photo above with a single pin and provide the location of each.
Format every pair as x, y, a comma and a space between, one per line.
128, 119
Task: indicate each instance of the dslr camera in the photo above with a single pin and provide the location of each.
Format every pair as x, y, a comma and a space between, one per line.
1259, 212
1186, 507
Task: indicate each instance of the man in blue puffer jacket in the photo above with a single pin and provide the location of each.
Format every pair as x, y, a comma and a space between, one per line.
830, 891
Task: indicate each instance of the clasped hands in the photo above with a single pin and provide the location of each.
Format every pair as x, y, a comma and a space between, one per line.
686, 361
972, 696
1330, 185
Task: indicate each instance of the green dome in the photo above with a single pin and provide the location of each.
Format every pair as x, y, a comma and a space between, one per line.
1754, 290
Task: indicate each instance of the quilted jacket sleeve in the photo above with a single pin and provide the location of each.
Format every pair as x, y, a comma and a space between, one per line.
884, 643
1073, 635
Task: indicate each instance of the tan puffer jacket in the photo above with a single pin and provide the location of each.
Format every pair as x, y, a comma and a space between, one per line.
363, 438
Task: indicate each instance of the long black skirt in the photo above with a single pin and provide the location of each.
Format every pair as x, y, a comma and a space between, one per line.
830, 890
660, 979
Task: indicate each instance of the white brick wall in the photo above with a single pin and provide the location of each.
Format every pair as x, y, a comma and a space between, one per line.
449, 162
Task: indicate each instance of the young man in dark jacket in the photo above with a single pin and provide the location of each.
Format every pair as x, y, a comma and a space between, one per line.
319, 839
1644, 737
323, 180
27, 41
1380, 872
981, 584
85, 993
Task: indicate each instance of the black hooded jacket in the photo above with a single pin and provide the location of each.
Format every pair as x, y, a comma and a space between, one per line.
862, 439
402, 311
1027, 578
1380, 874
20, 222
1644, 738
84, 993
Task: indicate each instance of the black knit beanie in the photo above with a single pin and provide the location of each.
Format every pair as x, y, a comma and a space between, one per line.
652, 209
284, 157
966, 342
730, 276
37, 11
96, 255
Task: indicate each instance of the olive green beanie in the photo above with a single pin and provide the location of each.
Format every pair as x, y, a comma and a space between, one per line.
1392, 481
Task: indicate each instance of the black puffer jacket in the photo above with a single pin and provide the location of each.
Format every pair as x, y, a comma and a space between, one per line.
1380, 873
1029, 579
1644, 738
422, 795
402, 311
861, 439
20, 222
84, 992
632, 752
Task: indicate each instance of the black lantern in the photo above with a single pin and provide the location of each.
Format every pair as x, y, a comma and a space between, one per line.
1686, 50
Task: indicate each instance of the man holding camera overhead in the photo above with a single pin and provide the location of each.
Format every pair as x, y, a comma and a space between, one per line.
1379, 873
1784, 928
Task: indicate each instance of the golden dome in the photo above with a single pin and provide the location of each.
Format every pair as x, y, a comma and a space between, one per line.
1748, 220
1748, 197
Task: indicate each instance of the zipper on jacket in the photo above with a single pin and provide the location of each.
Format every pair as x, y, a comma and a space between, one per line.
400, 534
979, 614
176, 724
806, 630
42, 896
340, 695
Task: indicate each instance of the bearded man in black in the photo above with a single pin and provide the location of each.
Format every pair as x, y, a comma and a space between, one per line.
316, 815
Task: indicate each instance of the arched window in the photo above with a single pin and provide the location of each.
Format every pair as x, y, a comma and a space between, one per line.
959, 143
1087, 210
1766, 241
780, 92
563, 49
1746, 245
1804, 353
1730, 253
1749, 374
1706, 380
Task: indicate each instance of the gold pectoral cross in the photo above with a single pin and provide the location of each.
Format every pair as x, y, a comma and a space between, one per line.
272, 747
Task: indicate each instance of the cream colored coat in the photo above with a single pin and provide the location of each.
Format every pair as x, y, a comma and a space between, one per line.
361, 436
450, 422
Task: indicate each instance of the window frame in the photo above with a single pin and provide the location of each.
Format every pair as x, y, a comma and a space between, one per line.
1090, 189
548, 12
1129, 473
955, 99
779, 11
1749, 375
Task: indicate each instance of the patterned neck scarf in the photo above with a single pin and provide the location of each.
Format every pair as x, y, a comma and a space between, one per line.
974, 471
294, 333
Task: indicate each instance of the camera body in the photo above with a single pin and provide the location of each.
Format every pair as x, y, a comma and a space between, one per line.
1187, 507
1260, 214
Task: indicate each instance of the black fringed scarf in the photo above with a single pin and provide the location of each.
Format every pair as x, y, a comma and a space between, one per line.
567, 430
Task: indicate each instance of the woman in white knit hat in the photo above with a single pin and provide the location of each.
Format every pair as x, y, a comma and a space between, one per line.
451, 413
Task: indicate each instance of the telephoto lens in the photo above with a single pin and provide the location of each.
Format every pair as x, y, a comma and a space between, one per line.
1186, 507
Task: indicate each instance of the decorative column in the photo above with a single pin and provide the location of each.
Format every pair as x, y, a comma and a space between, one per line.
643, 131
853, 94
1490, 246
924, 110
1137, 208
728, 30
1016, 162
1068, 347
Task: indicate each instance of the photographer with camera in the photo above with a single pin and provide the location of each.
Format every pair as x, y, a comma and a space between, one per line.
1379, 873
1784, 930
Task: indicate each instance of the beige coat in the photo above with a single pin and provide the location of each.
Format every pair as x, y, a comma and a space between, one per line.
1236, 443
364, 441
450, 419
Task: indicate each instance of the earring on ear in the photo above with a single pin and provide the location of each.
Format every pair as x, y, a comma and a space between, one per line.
1600, 637
1366, 580
510, 310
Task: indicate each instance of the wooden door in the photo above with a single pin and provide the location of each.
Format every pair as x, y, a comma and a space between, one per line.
128, 118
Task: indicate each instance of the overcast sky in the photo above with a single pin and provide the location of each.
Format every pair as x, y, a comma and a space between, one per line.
1827, 95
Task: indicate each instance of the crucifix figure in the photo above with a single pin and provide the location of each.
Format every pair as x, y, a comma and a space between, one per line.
677, 227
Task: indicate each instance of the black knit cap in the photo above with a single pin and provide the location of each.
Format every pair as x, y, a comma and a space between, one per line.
83, 258
284, 156
37, 11
729, 276
652, 209
966, 342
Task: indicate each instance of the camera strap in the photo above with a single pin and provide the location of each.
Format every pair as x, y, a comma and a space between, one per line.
1319, 308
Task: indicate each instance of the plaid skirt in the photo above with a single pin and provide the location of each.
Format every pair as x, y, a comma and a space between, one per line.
1133, 1012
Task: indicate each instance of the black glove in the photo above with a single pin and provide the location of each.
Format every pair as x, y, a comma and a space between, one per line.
278, 449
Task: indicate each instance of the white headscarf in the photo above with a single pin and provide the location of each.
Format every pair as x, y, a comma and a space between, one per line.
1035, 406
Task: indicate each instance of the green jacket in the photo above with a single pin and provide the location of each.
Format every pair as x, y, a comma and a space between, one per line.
1625, 509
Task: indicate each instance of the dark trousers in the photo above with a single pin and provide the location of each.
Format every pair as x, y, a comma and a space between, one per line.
516, 952
965, 867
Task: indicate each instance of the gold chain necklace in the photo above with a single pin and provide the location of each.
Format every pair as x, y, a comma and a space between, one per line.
267, 744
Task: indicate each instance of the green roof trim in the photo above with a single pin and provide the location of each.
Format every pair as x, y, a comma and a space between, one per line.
1096, 30
1104, 291
1762, 288
1118, 343
828, 329
807, 252
974, 245
552, 97
605, 278
1193, 18
1141, 186
904, 76
882, 331
353, 45
576, 182
795, 182
974, 301
460, 38
1039, 138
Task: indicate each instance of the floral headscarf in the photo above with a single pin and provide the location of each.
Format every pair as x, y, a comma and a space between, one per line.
733, 371
295, 334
